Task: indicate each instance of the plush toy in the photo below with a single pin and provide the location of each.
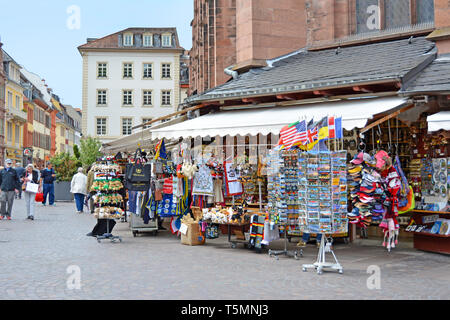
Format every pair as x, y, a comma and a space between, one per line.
188, 170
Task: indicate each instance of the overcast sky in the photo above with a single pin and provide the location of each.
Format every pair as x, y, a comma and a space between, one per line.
43, 35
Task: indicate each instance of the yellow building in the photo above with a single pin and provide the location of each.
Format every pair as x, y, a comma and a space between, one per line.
38, 136
16, 115
65, 133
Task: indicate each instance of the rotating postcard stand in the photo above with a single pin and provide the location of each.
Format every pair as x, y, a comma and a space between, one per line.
108, 235
321, 263
282, 196
326, 210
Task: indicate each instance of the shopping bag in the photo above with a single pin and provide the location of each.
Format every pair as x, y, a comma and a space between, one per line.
39, 197
138, 171
32, 187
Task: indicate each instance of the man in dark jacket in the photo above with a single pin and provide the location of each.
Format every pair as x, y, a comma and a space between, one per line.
20, 172
47, 178
9, 185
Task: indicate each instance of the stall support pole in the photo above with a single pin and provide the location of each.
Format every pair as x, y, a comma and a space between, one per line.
295, 253
321, 264
108, 234
260, 196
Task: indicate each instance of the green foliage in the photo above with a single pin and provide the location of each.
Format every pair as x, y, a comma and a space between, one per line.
76, 151
89, 151
65, 166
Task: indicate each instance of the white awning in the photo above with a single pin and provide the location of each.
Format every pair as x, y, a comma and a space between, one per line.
140, 139
355, 113
438, 121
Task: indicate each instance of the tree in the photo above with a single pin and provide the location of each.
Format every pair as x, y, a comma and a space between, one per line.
76, 151
65, 166
89, 151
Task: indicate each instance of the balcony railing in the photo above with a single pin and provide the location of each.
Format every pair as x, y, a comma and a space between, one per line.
16, 114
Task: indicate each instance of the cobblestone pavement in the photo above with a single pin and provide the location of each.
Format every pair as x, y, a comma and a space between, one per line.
35, 256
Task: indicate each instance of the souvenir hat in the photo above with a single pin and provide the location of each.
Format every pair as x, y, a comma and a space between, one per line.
381, 158
369, 159
358, 159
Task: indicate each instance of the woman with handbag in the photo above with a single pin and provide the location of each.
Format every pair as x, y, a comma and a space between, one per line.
30, 187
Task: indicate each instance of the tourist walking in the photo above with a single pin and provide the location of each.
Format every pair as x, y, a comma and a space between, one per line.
78, 188
9, 185
20, 171
47, 179
30, 177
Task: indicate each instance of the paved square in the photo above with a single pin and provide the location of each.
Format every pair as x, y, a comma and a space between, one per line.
36, 255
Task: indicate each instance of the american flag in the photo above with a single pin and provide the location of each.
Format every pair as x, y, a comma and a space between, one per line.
287, 134
301, 135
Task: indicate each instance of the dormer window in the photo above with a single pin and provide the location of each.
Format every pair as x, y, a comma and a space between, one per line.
167, 40
148, 40
128, 39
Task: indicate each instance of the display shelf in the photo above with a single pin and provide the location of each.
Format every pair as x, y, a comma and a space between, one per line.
426, 211
429, 234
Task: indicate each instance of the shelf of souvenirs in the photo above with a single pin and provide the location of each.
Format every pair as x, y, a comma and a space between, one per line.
429, 234
428, 212
251, 204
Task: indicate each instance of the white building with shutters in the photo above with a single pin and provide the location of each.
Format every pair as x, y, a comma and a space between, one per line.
129, 77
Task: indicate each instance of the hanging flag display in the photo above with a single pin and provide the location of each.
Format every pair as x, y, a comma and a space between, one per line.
307, 136
161, 150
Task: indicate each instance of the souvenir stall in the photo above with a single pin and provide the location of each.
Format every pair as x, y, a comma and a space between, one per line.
429, 173
109, 203
399, 182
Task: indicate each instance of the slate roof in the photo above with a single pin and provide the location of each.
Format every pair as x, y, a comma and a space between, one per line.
112, 41
435, 77
313, 70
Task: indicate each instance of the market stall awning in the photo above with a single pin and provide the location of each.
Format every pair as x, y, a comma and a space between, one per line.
355, 113
140, 139
439, 121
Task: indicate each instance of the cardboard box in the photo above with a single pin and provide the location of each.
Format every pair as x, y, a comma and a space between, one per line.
197, 213
192, 235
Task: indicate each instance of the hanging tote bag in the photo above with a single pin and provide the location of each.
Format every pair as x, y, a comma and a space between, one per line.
137, 174
137, 171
